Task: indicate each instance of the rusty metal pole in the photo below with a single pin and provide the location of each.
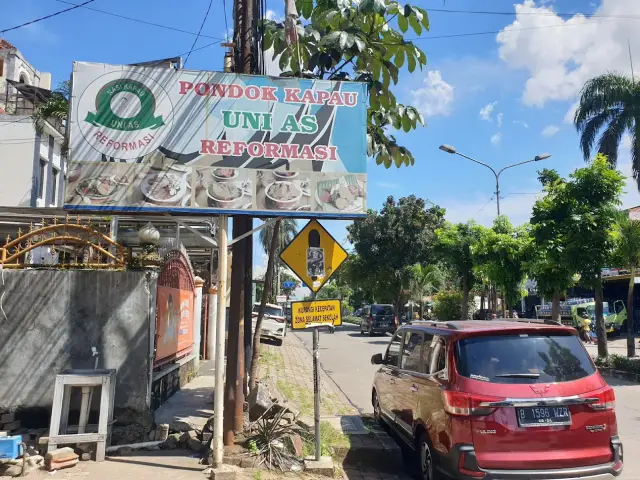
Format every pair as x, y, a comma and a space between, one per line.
245, 62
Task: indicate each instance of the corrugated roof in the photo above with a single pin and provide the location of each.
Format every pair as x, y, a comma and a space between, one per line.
6, 44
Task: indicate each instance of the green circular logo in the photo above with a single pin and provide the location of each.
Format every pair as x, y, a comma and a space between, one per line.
106, 117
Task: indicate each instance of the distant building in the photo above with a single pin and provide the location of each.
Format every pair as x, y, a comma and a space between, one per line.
31, 162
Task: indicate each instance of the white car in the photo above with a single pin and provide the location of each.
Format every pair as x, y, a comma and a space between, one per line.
274, 324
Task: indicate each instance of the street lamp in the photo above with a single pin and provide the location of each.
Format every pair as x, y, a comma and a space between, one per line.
537, 158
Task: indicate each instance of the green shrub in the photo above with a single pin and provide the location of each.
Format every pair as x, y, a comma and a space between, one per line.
448, 306
619, 362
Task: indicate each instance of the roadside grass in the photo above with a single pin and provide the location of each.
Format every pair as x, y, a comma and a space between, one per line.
303, 399
270, 362
619, 362
332, 442
351, 319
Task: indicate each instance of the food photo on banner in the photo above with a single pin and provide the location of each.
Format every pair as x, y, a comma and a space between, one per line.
182, 141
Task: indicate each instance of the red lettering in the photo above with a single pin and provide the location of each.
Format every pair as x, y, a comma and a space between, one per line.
239, 148
350, 98
332, 153
125, 146
252, 92
235, 91
116, 145
323, 96
269, 94
109, 143
256, 149
185, 87
103, 139
307, 153
202, 89
290, 150
320, 152
219, 90
207, 147
141, 144
272, 150
132, 145
291, 95
224, 147
336, 99
309, 97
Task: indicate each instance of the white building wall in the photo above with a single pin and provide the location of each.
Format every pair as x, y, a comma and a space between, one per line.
17, 147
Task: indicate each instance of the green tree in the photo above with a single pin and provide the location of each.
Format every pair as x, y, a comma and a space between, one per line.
285, 276
595, 195
548, 263
362, 41
390, 241
627, 252
424, 280
55, 109
501, 252
455, 242
286, 232
610, 106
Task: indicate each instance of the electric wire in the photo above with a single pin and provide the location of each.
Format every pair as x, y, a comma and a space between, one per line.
137, 20
226, 23
45, 17
199, 31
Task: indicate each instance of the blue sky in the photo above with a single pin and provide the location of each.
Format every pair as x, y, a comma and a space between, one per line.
501, 98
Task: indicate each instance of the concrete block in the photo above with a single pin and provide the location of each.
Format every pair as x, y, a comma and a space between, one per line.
225, 472
12, 471
206, 437
294, 443
323, 467
10, 427
43, 441
60, 465
7, 417
195, 445
85, 457
162, 432
125, 451
35, 460
186, 436
61, 455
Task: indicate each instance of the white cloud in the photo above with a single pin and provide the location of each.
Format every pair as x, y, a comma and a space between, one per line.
487, 111
499, 119
550, 131
386, 185
271, 15
571, 113
496, 139
482, 208
561, 54
521, 123
435, 96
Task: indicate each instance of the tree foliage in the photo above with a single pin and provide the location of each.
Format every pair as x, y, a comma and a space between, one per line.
390, 241
362, 41
424, 280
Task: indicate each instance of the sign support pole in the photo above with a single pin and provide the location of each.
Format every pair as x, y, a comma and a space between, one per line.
218, 404
316, 386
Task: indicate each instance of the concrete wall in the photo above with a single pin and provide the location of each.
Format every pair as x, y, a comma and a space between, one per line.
54, 317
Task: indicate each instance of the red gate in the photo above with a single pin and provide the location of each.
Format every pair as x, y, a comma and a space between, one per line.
174, 308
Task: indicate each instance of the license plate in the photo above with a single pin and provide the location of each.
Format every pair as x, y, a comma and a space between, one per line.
543, 416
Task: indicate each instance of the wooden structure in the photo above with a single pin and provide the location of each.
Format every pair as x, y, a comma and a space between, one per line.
85, 379
76, 246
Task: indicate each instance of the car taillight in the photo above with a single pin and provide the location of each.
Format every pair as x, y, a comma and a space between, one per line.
467, 465
606, 400
465, 404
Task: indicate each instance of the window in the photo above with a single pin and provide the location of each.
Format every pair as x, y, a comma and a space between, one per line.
269, 311
41, 177
382, 310
429, 343
393, 352
438, 356
1, 67
412, 352
54, 185
523, 358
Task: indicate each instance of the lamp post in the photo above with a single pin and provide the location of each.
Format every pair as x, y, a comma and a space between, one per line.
537, 158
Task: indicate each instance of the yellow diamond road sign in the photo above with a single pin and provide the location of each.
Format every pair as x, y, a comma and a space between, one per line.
313, 255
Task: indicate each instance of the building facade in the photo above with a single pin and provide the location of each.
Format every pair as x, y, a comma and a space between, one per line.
31, 160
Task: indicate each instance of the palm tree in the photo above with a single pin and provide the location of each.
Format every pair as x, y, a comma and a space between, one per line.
425, 280
628, 253
609, 104
286, 232
55, 109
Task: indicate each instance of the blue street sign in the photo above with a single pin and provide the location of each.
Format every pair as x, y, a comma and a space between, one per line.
289, 284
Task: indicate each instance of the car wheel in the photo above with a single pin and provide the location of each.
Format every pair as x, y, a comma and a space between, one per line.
425, 459
377, 412
371, 334
361, 331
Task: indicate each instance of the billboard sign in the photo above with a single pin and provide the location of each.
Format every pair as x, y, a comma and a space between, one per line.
174, 335
181, 141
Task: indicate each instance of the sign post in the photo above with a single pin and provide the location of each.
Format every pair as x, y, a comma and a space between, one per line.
314, 255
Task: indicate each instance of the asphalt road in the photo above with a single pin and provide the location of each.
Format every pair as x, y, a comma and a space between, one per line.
346, 357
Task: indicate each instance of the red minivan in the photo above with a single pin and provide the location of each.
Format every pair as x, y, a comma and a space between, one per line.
498, 399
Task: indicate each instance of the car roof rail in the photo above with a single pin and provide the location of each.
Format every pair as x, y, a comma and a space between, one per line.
452, 326
545, 321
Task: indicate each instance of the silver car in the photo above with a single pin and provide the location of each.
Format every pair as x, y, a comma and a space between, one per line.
274, 324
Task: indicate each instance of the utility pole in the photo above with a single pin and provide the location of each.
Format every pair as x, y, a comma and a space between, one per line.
242, 259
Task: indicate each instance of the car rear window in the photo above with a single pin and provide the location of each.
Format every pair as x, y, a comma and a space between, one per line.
524, 358
382, 310
271, 311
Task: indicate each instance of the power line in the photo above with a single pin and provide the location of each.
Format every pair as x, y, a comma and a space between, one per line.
226, 25
137, 20
540, 14
485, 206
198, 35
46, 17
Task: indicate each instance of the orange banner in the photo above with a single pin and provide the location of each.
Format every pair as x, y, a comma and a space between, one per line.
174, 332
